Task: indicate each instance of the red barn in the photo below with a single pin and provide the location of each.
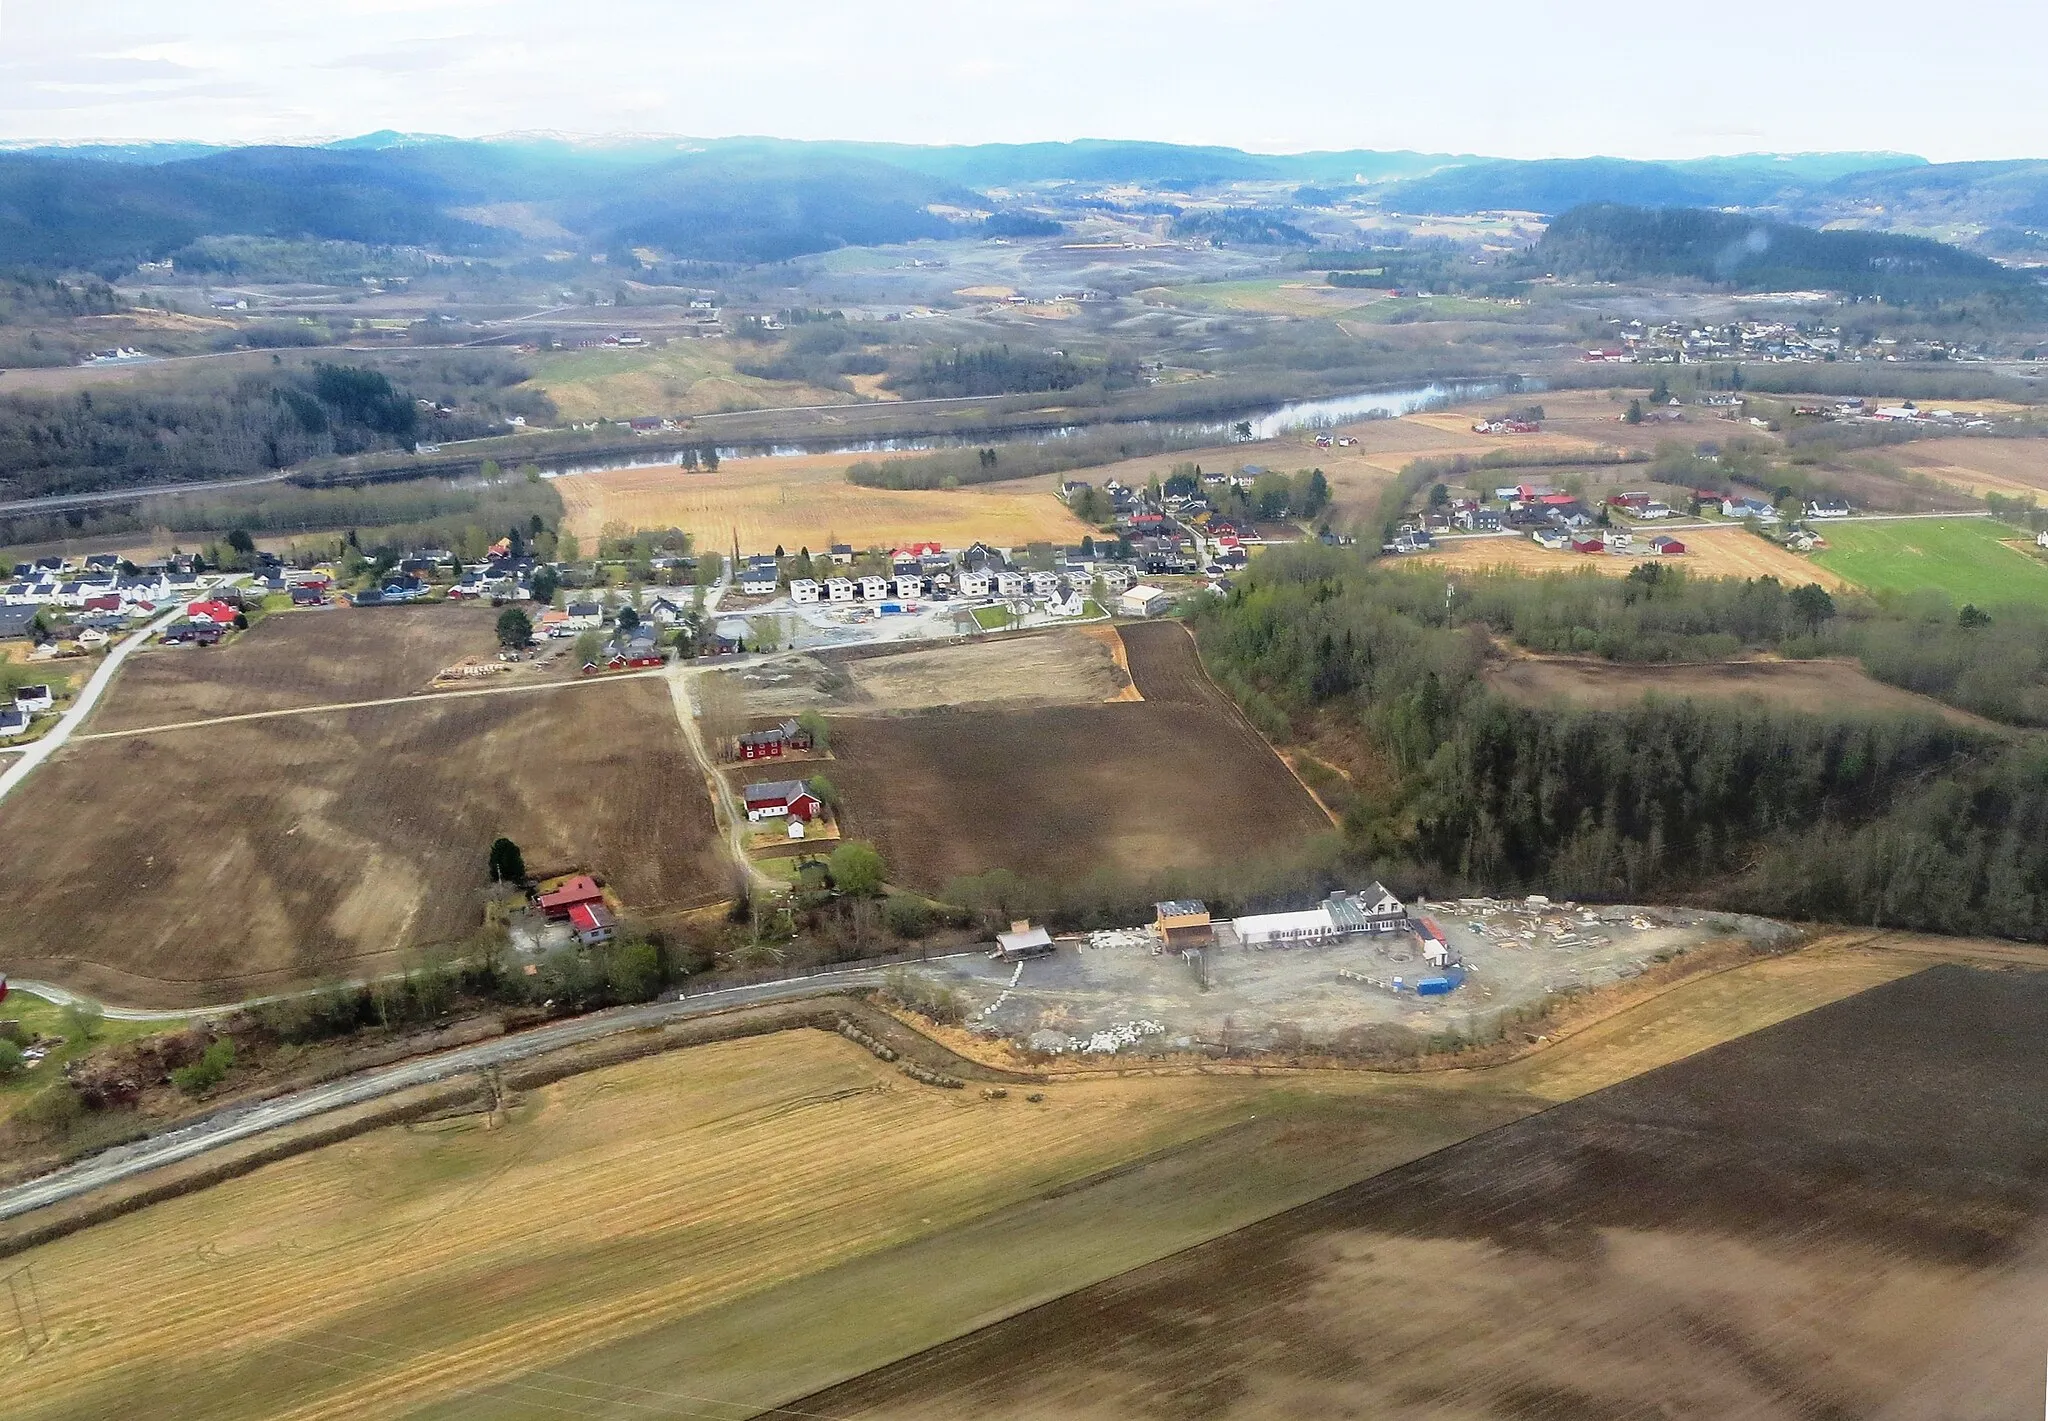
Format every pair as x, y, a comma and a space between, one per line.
1588, 545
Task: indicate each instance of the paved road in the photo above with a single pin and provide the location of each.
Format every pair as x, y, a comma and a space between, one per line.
41, 750
129, 495
1819, 525
243, 1122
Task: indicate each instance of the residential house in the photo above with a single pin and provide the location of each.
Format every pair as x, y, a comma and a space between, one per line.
583, 616
210, 613
1009, 584
975, 584
729, 635
759, 577
772, 743
1734, 507
1045, 584
804, 589
873, 588
33, 699
1115, 576
776, 799
1828, 508
839, 589
592, 923
668, 611
13, 722
841, 553
308, 597
17, 622
1551, 538
582, 889
909, 584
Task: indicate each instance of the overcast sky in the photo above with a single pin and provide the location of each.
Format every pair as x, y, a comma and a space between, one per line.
1520, 79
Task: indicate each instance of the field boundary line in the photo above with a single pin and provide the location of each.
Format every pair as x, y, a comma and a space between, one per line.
417, 698
1244, 721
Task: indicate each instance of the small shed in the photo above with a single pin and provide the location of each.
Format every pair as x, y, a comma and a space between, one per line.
1022, 941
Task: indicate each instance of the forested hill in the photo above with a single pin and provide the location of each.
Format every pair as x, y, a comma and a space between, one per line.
1847, 817
1609, 242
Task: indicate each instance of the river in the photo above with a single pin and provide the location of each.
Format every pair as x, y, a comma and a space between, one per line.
1268, 423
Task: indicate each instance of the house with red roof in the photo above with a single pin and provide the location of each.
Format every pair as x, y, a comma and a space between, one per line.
580, 890
593, 923
210, 612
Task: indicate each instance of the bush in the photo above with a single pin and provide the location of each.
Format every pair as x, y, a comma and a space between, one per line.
83, 1020
908, 917
208, 1071
10, 1058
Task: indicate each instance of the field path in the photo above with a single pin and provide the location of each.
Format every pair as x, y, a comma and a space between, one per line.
416, 699
731, 822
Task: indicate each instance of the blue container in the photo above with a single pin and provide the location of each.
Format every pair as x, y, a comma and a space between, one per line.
888, 607
1438, 986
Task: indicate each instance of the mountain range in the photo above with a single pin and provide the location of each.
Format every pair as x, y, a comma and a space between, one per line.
106, 207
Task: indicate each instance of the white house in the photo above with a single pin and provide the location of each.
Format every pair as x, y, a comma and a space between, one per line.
1144, 601
803, 589
1828, 508
1115, 576
33, 699
757, 581
584, 616
909, 584
974, 584
1009, 584
2041, 539
1045, 584
839, 589
873, 588
1073, 604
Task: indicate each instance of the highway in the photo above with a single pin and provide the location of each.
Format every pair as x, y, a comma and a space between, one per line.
242, 1122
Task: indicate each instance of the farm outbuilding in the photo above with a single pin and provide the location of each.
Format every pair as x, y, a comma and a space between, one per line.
1023, 941
1144, 601
773, 799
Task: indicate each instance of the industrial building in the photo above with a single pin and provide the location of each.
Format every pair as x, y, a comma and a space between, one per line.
1342, 915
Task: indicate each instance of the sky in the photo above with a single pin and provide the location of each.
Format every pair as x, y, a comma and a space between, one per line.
1517, 79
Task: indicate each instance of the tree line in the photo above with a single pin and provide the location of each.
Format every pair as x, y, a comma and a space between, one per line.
1899, 821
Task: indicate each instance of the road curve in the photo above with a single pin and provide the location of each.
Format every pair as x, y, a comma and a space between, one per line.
34, 755
242, 1122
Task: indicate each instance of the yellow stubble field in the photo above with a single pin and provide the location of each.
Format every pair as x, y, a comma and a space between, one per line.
1711, 552
805, 501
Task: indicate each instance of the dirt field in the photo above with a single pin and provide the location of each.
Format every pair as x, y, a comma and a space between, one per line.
1697, 1241
218, 862
1816, 686
1074, 666
1176, 780
1713, 552
805, 501
2012, 467
610, 1245
289, 659
686, 377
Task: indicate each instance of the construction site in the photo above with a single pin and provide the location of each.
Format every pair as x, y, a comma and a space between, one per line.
1315, 979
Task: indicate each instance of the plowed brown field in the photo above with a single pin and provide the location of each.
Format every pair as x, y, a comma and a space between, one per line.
1177, 780
220, 862
1700, 1240
306, 658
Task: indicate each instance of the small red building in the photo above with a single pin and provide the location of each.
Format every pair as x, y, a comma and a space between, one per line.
1588, 545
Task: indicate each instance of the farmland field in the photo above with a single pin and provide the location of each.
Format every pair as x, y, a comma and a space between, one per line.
805, 501
683, 378
610, 1245
1176, 780
1712, 552
2012, 467
1813, 686
292, 659
192, 865
1971, 559
1700, 1240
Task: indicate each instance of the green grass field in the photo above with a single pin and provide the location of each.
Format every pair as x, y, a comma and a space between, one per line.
1971, 559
